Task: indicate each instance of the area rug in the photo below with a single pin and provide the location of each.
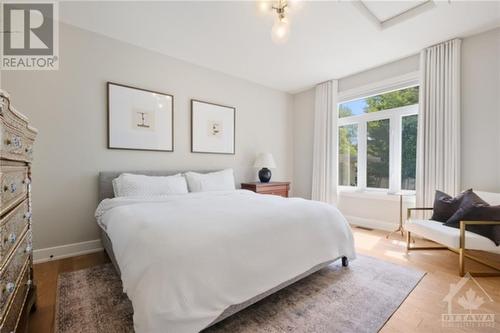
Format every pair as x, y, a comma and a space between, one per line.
360, 298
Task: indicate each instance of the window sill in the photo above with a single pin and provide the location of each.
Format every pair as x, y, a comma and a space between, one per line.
376, 195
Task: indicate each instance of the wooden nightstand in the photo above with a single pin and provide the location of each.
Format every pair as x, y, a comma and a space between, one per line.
274, 188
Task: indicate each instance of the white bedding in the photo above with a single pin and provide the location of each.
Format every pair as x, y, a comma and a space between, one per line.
184, 259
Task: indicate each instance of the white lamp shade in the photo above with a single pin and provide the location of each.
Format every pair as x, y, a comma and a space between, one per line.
265, 160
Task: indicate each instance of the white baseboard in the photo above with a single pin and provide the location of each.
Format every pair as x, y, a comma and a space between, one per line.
66, 251
371, 223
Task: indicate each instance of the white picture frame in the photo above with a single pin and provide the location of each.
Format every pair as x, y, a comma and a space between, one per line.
139, 119
213, 128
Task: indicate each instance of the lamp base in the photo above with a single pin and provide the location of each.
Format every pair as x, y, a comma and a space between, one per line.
265, 175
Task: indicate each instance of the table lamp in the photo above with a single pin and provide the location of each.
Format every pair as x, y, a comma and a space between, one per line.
266, 162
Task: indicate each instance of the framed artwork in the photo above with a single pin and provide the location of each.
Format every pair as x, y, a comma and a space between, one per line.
212, 128
139, 119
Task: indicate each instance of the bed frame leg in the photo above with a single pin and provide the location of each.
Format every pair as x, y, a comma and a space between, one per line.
345, 262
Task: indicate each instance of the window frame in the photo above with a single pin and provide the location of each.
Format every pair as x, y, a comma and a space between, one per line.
395, 116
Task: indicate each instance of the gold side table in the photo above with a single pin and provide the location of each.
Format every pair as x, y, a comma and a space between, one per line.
400, 226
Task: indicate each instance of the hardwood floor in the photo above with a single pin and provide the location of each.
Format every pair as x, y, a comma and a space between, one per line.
420, 312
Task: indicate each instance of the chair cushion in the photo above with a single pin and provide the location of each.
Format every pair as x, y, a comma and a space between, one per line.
448, 236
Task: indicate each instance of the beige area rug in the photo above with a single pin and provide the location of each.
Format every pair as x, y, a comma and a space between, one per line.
360, 298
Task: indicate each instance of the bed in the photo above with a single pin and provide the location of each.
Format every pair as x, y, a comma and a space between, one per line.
192, 260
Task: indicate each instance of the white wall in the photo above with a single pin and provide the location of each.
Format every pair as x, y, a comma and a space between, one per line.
374, 210
69, 109
303, 139
481, 111
377, 74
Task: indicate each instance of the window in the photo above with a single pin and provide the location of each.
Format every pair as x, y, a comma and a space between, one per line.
377, 141
389, 100
377, 154
348, 155
408, 152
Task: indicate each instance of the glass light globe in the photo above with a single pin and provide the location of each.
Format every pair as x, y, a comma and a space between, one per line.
280, 31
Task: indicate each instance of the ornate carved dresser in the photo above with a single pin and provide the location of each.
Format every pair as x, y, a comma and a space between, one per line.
17, 292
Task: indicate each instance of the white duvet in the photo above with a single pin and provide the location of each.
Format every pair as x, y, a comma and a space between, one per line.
184, 259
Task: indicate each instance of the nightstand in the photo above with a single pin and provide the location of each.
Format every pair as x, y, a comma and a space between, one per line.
274, 188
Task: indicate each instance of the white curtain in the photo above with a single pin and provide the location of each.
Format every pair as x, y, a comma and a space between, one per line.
324, 175
438, 156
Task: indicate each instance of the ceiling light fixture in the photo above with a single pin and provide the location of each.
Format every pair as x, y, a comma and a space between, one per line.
281, 28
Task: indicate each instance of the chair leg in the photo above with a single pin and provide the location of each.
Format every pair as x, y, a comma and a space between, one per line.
461, 268
461, 263
408, 240
345, 261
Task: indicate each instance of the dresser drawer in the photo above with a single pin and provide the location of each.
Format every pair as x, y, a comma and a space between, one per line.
28, 149
13, 186
11, 228
283, 192
16, 136
12, 142
15, 145
11, 317
12, 271
272, 188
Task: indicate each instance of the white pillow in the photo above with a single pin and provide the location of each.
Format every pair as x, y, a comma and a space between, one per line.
213, 181
127, 185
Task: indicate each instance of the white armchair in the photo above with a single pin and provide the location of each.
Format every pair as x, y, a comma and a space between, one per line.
456, 240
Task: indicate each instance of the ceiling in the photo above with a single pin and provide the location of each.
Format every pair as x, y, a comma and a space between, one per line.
385, 10
329, 39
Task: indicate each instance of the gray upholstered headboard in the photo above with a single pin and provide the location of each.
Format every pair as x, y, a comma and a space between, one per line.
106, 178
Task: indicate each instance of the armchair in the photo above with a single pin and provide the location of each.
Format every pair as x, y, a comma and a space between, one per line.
456, 240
